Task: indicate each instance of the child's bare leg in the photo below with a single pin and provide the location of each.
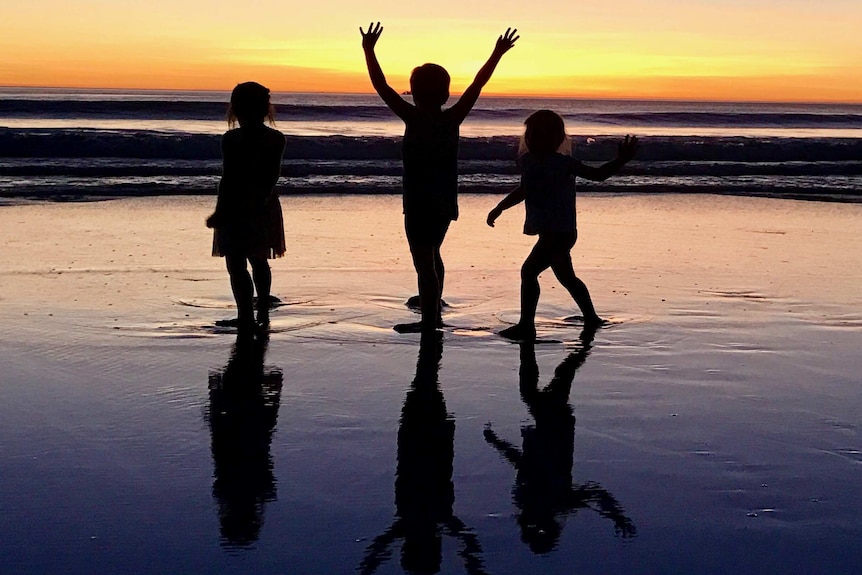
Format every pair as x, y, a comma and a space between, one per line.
243, 291
562, 267
440, 269
437, 240
262, 275
530, 291
429, 290
537, 262
425, 236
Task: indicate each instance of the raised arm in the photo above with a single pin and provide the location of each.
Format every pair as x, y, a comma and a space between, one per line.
625, 152
514, 198
600, 500
378, 552
392, 99
468, 99
506, 449
471, 549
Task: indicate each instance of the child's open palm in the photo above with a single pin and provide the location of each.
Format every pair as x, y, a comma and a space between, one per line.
506, 41
369, 39
627, 148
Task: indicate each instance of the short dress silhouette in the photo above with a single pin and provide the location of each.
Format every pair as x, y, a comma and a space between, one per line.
249, 222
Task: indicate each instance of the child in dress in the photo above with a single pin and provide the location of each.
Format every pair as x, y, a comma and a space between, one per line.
247, 220
548, 190
430, 155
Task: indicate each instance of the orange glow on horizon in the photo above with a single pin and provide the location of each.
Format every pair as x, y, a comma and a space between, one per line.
762, 50
731, 89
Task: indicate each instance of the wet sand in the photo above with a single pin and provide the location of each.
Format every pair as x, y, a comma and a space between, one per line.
713, 427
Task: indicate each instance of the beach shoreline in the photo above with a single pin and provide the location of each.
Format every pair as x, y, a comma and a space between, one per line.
72, 145
119, 193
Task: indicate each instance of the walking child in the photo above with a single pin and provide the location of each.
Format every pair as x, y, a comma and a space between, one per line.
248, 222
548, 191
430, 157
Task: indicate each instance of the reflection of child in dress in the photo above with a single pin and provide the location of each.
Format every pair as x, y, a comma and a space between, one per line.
247, 220
547, 188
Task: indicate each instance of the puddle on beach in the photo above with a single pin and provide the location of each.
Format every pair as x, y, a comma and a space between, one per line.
453, 454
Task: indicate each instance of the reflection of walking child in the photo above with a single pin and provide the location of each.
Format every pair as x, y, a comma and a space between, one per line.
247, 220
430, 156
547, 188
543, 492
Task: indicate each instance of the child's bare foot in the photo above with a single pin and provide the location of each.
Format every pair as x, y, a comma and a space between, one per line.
414, 302
415, 327
240, 324
263, 317
270, 301
594, 322
520, 332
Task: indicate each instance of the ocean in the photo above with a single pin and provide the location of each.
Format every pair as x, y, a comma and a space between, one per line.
68, 144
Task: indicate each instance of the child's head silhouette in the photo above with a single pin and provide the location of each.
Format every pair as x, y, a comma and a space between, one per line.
249, 104
545, 134
429, 85
540, 530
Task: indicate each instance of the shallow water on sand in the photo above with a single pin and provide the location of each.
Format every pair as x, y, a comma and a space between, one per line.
713, 427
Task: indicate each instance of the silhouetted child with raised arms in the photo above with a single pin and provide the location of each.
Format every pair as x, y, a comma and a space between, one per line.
430, 156
548, 191
247, 220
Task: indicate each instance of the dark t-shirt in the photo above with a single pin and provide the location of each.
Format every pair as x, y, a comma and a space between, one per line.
430, 156
549, 193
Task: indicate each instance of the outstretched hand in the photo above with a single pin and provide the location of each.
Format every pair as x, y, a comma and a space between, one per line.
627, 148
506, 41
369, 39
493, 215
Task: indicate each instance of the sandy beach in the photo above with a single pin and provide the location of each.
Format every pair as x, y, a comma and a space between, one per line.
714, 427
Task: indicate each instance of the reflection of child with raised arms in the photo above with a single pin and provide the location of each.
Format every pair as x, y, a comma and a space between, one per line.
548, 191
430, 156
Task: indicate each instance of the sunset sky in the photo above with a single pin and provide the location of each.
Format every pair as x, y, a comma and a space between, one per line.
790, 50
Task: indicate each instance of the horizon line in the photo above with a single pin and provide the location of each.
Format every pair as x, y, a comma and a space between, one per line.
704, 100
